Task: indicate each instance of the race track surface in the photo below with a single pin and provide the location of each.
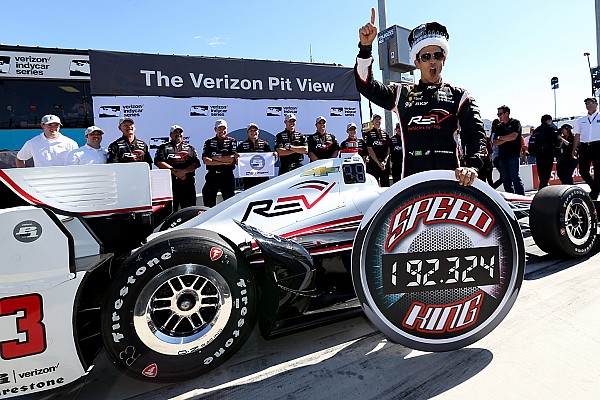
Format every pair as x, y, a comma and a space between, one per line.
548, 347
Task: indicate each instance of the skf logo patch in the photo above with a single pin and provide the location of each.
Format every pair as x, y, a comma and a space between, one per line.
215, 253
150, 371
438, 208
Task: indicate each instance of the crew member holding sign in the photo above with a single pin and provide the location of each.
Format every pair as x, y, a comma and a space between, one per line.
431, 111
254, 145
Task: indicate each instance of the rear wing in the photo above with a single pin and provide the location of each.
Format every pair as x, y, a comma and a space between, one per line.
91, 190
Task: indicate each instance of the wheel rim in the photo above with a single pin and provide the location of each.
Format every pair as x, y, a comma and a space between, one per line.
578, 222
182, 309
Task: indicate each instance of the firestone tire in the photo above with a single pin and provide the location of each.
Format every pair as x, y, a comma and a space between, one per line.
180, 306
181, 216
563, 221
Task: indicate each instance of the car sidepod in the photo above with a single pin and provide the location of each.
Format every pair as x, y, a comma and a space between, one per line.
39, 285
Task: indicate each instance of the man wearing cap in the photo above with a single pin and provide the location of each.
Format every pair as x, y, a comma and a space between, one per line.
396, 153
219, 155
290, 145
429, 112
587, 144
182, 160
128, 148
50, 148
378, 146
353, 144
91, 152
253, 145
322, 144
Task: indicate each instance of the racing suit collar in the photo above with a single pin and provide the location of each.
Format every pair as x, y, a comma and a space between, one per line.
426, 85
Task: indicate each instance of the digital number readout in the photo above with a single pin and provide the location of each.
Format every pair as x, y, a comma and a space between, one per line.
437, 270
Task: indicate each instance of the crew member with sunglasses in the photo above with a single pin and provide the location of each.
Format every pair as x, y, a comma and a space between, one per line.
587, 144
431, 111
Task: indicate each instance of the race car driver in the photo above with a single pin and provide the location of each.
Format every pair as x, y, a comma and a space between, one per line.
431, 111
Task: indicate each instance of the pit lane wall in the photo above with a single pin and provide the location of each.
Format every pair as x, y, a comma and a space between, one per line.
158, 91
529, 176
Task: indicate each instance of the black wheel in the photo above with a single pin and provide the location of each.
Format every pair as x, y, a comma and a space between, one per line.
181, 216
562, 221
180, 306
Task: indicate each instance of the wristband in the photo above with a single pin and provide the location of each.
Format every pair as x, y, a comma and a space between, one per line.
365, 51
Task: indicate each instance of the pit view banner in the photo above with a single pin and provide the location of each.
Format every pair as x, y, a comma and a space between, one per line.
158, 91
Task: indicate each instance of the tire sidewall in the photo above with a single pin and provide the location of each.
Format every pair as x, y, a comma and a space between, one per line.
575, 195
119, 333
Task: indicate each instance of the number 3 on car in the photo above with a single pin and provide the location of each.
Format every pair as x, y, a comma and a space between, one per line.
29, 337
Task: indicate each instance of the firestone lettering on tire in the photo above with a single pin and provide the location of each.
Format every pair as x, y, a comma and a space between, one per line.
118, 336
236, 333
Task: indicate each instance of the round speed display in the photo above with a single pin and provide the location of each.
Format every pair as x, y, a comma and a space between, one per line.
436, 265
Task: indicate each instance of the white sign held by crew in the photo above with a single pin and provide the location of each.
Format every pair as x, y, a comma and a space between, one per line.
256, 165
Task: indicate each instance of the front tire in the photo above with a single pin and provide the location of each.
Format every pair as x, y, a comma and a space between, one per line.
562, 220
180, 306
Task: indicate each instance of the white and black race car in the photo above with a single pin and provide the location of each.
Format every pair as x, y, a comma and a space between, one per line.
433, 265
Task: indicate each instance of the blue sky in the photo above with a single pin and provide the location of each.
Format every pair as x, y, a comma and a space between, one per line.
502, 52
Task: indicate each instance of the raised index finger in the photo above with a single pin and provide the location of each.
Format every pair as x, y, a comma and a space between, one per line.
373, 16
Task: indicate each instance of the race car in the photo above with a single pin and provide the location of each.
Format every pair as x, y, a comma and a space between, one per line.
434, 265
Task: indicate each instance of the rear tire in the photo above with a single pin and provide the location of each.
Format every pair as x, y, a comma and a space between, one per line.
180, 306
562, 220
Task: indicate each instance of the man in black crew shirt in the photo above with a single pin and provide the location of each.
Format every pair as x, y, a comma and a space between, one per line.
354, 144
290, 146
396, 153
182, 160
128, 148
322, 144
377, 142
219, 155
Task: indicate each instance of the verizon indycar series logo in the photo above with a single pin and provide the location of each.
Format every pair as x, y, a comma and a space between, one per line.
439, 264
310, 193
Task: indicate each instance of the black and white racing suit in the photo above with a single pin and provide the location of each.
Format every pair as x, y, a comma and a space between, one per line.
430, 116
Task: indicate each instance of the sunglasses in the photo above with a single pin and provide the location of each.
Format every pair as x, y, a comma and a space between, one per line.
438, 55
500, 113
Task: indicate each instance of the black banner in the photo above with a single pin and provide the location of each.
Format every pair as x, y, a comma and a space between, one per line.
131, 74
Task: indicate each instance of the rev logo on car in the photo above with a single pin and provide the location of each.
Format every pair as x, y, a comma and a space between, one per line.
291, 204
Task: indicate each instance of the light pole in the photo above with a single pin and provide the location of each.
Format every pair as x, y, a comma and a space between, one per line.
587, 55
385, 72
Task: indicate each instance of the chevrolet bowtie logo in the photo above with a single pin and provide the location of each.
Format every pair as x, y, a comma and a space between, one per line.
320, 171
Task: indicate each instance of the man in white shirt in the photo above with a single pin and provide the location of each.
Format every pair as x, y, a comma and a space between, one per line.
587, 144
90, 153
49, 148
